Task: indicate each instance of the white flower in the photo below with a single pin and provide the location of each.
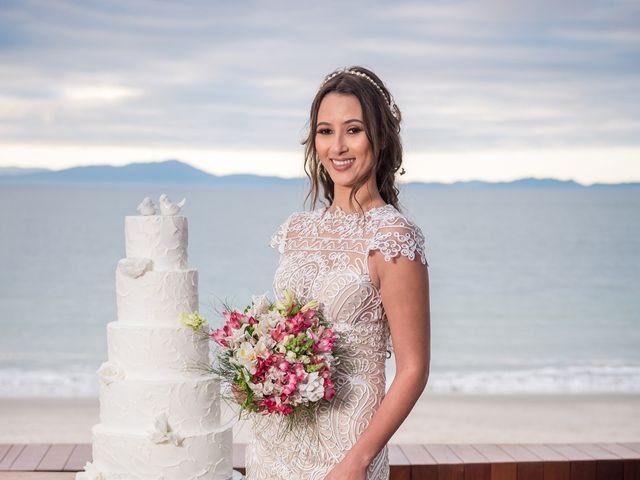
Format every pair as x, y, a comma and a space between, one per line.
110, 372
259, 305
246, 356
238, 336
266, 322
162, 432
312, 388
134, 267
291, 356
90, 473
262, 348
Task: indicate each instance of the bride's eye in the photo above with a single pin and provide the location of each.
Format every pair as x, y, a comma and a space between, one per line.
356, 129
322, 131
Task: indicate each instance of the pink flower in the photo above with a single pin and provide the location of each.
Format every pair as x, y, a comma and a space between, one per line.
327, 339
220, 337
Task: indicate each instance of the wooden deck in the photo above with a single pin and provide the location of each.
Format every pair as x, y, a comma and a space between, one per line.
550, 461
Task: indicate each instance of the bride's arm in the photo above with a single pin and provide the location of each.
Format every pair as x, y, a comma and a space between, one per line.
404, 288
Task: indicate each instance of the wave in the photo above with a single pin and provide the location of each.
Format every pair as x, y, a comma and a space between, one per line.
551, 380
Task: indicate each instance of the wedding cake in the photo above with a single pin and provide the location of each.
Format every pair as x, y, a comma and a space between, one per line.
159, 406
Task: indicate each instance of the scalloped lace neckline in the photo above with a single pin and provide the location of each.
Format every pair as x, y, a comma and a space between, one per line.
339, 212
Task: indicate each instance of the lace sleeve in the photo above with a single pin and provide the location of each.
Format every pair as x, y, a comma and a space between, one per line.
279, 237
399, 236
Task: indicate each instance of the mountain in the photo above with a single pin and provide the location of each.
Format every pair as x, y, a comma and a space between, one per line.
20, 171
175, 172
167, 172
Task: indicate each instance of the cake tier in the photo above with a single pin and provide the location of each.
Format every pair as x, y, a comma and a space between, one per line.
131, 405
156, 297
129, 456
158, 351
161, 238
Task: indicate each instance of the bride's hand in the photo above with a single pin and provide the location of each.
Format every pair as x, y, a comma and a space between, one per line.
348, 468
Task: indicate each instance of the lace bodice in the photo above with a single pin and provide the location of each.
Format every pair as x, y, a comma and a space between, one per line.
324, 256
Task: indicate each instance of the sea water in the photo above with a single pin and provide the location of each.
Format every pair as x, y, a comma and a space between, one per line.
532, 290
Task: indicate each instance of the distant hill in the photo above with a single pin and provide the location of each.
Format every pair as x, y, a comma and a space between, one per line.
167, 172
20, 171
175, 172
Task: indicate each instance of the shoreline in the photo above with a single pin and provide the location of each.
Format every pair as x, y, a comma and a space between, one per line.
436, 418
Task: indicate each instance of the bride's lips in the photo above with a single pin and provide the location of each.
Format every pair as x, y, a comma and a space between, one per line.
342, 164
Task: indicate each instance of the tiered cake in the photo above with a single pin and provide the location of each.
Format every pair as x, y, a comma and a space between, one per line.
159, 408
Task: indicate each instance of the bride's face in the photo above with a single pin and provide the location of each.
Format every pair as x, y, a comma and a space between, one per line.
340, 135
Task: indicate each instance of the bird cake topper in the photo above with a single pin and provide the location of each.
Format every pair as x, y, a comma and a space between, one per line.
147, 207
168, 208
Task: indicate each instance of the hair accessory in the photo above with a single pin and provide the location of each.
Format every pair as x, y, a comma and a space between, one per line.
390, 103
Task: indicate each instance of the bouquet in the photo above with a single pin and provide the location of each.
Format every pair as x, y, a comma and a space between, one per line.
277, 357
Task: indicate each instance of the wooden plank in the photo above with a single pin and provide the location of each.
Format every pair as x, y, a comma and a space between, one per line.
11, 455
56, 458
569, 451
530, 470
81, 454
417, 454
4, 448
477, 471
609, 469
582, 469
467, 453
442, 454
543, 452
423, 465
620, 450
37, 476
504, 471
554, 464
30, 457
476, 465
399, 465
519, 453
595, 451
493, 453
239, 451
557, 470
635, 446
631, 469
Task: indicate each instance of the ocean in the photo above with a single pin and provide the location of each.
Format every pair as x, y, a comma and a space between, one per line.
532, 290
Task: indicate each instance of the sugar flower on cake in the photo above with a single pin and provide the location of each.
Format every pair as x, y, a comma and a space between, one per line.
110, 372
135, 267
162, 432
90, 473
192, 320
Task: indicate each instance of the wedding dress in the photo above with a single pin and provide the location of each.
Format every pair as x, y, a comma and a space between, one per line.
323, 255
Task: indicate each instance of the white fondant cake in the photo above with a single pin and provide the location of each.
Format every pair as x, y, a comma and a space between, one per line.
159, 407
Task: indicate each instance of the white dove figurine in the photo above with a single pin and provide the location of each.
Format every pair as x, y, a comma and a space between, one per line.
168, 208
147, 207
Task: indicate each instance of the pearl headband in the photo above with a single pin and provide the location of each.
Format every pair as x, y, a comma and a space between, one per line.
389, 103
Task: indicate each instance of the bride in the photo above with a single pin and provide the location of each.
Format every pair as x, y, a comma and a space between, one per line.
367, 268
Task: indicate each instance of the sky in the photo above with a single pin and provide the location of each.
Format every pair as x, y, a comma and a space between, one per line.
488, 89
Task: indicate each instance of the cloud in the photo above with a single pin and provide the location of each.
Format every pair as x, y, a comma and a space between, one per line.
479, 74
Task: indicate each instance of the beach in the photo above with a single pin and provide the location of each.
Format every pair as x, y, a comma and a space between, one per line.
436, 418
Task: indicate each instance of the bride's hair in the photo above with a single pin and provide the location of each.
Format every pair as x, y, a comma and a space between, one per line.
382, 127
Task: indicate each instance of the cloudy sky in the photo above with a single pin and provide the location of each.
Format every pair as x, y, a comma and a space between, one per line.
489, 89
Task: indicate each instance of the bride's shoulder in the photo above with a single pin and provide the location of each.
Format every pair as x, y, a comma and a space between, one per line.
397, 233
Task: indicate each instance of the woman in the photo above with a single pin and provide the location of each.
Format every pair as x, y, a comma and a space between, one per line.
366, 266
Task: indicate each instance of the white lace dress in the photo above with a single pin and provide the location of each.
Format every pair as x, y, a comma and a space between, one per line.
324, 255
